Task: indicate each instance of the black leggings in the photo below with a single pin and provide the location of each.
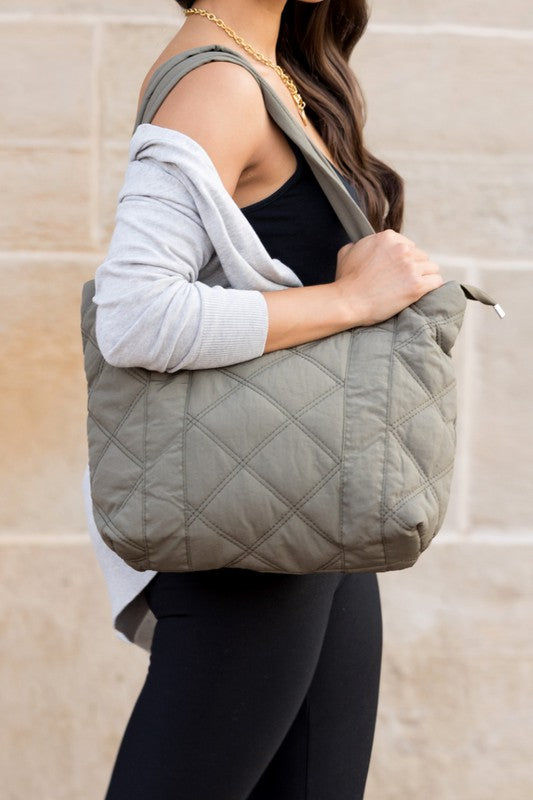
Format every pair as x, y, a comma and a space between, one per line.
261, 686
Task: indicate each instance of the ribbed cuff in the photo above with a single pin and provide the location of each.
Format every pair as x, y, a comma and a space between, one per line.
234, 326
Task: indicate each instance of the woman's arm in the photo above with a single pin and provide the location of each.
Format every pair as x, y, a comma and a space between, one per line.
152, 311
306, 313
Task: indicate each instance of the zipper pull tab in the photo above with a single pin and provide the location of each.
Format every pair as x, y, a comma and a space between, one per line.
473, 293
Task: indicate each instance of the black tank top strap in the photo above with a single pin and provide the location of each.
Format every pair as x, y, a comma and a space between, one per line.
297, 224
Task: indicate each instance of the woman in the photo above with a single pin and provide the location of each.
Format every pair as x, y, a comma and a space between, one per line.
263, 686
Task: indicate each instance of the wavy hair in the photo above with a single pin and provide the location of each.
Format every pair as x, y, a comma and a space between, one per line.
314, 46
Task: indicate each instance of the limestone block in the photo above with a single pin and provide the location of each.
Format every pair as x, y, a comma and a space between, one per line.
69, 682
127, 55
502, 432
43, 400
45, 79
468, 206
445, 93
453, 718
128, 9
487, 13
45, 202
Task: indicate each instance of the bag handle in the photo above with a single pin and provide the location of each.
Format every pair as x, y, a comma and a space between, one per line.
350, 214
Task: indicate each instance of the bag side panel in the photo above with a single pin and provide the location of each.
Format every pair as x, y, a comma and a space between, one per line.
115, 414
365, 447
422, 417
163, 489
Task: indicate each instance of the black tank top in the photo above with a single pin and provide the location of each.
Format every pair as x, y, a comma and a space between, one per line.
297, 224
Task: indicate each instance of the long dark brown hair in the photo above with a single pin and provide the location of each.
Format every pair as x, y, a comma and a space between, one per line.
314, 46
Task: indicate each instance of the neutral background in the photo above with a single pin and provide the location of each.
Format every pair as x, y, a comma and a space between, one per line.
448, 85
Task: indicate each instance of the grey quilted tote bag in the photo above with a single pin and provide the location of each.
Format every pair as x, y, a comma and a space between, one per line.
335, 455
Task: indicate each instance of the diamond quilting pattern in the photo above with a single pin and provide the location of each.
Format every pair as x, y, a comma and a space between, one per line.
290, 448
273, 442
243, 522
223, 463
273, 383
260, 419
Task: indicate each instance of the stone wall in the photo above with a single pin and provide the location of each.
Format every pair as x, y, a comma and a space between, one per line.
448, 86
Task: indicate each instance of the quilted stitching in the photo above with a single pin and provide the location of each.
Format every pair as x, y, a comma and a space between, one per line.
261, 495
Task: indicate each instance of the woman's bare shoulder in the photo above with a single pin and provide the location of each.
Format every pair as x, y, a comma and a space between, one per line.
220, 105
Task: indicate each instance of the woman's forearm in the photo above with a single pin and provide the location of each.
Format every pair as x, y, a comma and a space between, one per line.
306, 313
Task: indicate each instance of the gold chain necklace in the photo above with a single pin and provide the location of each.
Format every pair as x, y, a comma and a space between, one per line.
287, 80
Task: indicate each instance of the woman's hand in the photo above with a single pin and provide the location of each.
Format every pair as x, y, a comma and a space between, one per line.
382, 274
375, 278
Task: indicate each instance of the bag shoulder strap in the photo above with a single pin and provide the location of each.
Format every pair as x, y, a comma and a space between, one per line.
166, 76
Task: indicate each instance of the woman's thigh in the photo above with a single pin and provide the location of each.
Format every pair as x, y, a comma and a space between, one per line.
327, 750
233, 658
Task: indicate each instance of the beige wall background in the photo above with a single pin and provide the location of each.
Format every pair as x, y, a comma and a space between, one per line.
448, 85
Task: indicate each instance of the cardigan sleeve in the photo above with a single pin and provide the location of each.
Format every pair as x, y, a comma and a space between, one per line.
152, 311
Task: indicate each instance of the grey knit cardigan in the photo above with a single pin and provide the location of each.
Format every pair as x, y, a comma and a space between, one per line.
180, 288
